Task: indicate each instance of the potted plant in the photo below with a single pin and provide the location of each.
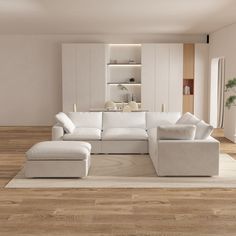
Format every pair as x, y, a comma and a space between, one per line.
231, 88
230, 113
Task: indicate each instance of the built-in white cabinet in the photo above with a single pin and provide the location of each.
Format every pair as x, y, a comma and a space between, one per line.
151, 73
83, 76
162, 77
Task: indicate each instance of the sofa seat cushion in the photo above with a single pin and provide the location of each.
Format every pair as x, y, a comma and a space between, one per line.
59, 150
83, 134
124, 134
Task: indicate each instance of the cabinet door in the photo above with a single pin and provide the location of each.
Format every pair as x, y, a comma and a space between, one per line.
68, 76
162, 77
83, 77
97, 75
148, 78
75, 77
176, 78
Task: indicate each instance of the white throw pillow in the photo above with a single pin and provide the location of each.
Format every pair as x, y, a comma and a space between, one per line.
176, 132
188, 119
203, 130
65, 122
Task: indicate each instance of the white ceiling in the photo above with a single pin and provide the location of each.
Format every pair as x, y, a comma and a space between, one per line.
115, 16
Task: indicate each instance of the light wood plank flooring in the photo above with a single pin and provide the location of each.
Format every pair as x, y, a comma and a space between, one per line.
147, 212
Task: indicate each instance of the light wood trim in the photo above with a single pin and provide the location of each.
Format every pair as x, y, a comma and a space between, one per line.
188, 103
189, 55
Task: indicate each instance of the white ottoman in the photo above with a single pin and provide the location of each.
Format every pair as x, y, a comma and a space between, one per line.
58, 159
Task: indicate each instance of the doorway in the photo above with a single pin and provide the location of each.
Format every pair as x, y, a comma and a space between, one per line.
217, 87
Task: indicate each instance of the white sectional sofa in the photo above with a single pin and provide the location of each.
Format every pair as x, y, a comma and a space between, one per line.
108, 132
114, 132
137, 132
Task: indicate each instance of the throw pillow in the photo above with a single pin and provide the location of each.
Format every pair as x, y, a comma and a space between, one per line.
65, 122
203, 130
188, 119
176, 132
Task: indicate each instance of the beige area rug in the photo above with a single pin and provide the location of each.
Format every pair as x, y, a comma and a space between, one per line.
131, 171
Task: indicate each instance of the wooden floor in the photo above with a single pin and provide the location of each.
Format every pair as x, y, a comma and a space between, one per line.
147, 212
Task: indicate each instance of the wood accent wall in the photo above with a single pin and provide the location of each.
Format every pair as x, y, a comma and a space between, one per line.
189, 61
188, 76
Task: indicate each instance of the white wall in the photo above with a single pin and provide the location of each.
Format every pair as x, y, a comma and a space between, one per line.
30, 72
222, 44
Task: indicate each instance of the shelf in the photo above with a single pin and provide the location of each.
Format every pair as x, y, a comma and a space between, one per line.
125, 45
125, 64
126, 102
117, 83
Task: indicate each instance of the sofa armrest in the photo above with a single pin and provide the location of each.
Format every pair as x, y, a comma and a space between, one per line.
152, 144
188, 157
57, 132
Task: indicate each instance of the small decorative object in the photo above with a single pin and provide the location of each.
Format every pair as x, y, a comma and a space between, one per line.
122, 87
163, 108
74, 107
110, 105
133, 105
131, 61
231, 88
132, 80
120, 106
127, 108
129, 97
186, 90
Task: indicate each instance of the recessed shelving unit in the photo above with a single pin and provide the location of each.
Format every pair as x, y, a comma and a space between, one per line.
190, 84
124, 63
188, 78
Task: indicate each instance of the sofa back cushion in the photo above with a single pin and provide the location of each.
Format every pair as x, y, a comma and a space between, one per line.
124, 120
155, 119
65, 122
86, 119
176, 132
